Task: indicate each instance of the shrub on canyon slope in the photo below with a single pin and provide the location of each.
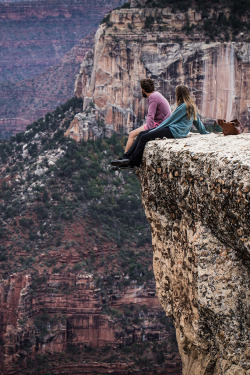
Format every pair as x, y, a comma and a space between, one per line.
217, 25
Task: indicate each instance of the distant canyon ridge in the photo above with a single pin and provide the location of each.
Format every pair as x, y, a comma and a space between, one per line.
41, 47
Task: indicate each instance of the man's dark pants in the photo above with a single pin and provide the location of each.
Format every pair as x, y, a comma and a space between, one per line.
135, 153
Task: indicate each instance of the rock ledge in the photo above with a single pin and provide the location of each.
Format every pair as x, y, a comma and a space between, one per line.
196, 194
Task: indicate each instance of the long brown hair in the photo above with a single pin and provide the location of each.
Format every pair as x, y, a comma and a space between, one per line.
183, 96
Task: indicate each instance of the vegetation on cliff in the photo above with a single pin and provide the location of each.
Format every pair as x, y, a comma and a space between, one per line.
78, 183
215, 24
64, 216
219, 22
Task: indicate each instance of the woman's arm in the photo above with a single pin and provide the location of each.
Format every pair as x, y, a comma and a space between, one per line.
199, 126
176, 116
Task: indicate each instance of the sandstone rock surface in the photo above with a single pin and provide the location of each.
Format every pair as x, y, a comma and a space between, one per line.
151, 42
196, 197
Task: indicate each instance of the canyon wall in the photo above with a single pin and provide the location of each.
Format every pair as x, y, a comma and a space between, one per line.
196, 194
73, 321
151, 42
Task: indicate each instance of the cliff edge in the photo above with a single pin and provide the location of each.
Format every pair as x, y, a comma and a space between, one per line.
196, 194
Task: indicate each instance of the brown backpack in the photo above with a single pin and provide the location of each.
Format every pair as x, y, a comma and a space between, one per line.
233, 127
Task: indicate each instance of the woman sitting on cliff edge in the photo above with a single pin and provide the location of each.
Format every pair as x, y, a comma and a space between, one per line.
178, 125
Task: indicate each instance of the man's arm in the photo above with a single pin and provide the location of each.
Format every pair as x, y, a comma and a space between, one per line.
152, 106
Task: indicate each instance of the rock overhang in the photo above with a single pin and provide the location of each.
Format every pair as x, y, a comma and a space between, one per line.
213, 168
196, 195
231, 147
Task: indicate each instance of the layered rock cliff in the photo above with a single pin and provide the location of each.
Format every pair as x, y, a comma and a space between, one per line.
172, 47
196, 195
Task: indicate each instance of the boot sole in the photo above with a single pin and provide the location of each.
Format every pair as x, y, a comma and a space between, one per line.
115, 168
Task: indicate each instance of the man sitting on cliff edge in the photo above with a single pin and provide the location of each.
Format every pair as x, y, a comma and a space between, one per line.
158, 110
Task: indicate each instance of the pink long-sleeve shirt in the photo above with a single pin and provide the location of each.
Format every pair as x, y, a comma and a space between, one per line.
158, 110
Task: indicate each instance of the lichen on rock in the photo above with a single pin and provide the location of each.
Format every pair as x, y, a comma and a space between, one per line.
195, 193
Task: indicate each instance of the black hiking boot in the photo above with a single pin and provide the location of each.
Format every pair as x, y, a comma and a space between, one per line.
120, 163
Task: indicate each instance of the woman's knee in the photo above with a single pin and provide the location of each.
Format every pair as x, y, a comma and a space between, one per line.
146, 137
141, 134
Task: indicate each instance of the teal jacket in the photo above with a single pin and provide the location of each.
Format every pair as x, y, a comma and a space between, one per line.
180, 125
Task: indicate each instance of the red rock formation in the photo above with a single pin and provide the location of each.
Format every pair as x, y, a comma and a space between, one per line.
37, 34
67, 311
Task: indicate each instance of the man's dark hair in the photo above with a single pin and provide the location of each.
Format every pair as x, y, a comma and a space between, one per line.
148, 85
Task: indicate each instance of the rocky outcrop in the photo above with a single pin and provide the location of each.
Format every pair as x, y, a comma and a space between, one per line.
172, 48
85, 127
196, 197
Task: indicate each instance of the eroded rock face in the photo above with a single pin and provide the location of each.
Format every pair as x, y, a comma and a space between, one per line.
128, 48
74, 320
196, 197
